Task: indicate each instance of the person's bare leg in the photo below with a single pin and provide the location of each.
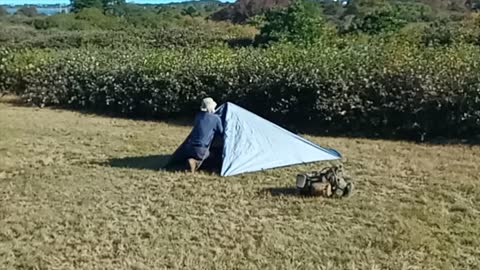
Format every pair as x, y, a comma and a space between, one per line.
193, 164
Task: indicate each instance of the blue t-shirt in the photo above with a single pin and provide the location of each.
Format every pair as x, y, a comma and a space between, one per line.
206, 125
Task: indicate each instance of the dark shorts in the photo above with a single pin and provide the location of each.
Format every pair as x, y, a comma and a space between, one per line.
186, 151
197, 152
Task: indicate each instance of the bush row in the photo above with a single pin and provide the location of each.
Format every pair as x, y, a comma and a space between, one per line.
20, 37
367, 88
13, 65
8, 75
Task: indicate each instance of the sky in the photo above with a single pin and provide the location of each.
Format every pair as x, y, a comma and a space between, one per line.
41, 2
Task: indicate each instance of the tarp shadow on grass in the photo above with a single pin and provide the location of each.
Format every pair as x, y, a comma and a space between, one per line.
281, 191
152, 162
155, 163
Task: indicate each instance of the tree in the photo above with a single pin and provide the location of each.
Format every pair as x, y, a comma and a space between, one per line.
78, 5
107, 3
440, 32
210, 8
351, 9
332, 8
108, 6
256, 21
380, 20
114, 7
300, 22
413, 12
27, 11
190, 11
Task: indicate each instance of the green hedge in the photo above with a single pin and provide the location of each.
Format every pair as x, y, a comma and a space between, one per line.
370, 88
14, 65
4, 74
168, 37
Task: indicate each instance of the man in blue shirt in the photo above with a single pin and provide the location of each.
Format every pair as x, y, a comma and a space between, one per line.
207, 125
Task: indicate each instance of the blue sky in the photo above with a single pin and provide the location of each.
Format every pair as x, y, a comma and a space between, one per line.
21, 2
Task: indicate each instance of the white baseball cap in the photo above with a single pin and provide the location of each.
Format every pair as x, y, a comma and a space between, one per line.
208, 105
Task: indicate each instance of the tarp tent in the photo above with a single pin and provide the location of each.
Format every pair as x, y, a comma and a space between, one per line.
251, 143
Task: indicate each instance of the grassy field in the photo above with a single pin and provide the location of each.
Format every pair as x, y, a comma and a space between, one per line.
82, 192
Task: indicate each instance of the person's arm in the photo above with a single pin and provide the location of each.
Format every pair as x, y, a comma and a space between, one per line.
219, 126
195, 120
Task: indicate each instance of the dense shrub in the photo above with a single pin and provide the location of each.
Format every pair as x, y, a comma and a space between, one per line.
166, 37
382, 20
3, 11
86, 19
369, 88
440, 32
14, 65
447, 33
414, 11
28, 11
11, 34
134, 17
5, 63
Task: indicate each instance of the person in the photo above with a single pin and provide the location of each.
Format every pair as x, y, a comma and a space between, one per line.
207, 124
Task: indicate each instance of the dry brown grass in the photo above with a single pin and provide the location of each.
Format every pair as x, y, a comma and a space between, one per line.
68, 201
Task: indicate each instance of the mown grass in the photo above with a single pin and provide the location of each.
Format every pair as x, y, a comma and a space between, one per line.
68, 200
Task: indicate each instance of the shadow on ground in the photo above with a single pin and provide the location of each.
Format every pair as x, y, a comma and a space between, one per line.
281, 191
12, 100
152, 162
